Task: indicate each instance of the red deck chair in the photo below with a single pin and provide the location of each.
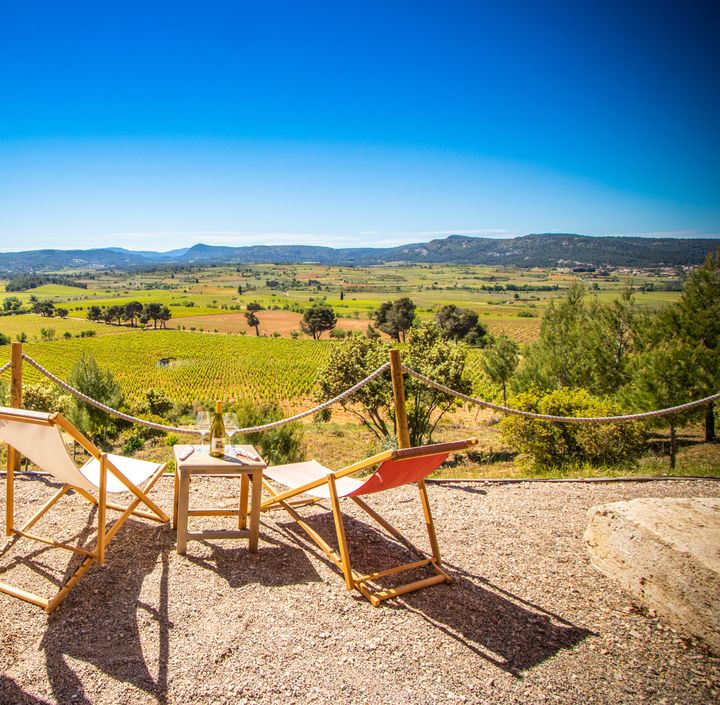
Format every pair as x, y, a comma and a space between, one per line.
395, 468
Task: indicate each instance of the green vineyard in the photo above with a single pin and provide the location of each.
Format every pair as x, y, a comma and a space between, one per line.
192, 367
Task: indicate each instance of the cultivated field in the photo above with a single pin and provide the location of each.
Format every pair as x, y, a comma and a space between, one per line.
272, 323
508, 300
209, 351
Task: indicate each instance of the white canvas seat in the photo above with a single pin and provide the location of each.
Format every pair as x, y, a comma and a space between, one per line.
297, 475
38, 436
135, 470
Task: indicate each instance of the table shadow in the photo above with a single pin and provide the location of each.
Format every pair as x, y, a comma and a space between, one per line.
275, 564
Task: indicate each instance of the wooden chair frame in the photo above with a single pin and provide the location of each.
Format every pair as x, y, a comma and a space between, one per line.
104, 535
353, 579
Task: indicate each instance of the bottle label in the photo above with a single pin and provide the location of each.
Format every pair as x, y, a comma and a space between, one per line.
217, 445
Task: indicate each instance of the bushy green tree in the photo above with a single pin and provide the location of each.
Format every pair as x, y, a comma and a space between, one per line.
40, 397
318, 318
11, 304
151, 312
696, 320
349, 362
667, 374
253, 321
500, 360
395, 318
132, 311
157, 402
115, 313
457, 323
550, 445
441, 360
88, 378
165, 316
582, 345
427, 352
44, 308
558, 358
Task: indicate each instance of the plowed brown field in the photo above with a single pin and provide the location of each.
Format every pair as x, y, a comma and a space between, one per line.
283, 322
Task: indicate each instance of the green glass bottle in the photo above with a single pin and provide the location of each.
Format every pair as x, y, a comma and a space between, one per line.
217, 433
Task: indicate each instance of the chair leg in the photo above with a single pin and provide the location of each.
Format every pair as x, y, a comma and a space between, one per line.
429, 521
340, 530
101, 514
10, 491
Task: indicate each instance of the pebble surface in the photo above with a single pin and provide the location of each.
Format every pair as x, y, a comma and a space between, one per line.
527, 620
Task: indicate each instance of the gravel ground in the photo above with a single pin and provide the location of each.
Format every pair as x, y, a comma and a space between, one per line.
528, 619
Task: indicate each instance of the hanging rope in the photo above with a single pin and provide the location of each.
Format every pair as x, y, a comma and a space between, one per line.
349, 392
561, 419
177, 429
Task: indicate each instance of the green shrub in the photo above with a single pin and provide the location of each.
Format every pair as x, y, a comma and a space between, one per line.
277, 446
40, 397
548, 444
133, 443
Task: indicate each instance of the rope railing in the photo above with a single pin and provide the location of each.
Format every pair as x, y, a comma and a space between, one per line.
561, 419
6, 366
351, 390
178, 429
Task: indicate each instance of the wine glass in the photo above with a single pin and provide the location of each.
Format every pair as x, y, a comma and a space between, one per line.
231, 425
203, 424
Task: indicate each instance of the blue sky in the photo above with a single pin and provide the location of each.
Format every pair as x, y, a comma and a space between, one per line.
157, 125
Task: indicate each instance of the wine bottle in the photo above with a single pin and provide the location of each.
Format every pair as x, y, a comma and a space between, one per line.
217, 433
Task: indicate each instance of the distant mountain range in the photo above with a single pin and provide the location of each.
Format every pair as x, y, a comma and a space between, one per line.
538, 250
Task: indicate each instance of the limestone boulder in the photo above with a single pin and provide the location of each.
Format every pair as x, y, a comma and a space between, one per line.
666, 552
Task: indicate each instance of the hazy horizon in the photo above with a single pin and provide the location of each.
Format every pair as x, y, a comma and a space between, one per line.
429, 236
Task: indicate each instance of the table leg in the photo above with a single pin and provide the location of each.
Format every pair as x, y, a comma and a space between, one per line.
175, 497
255, 510
244, 487
183, 502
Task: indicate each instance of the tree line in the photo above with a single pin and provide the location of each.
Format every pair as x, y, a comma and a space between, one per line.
135, 313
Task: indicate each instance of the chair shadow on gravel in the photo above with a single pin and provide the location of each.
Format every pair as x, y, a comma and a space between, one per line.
12, 693
503, 628
98, 622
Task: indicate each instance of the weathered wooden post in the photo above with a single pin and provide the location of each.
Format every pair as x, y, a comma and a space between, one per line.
403, 437
13, 457
401, 422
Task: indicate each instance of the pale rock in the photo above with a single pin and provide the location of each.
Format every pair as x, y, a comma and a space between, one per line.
665, 552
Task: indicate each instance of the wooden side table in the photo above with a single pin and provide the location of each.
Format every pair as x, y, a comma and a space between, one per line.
249, 471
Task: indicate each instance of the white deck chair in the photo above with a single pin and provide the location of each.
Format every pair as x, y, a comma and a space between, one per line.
37, 435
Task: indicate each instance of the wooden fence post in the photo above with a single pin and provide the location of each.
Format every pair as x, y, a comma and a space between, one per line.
13, 457
401, 422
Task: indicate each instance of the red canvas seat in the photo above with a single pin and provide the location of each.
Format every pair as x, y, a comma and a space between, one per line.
395, 468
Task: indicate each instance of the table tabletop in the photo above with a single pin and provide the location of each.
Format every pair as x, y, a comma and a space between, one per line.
206, 464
